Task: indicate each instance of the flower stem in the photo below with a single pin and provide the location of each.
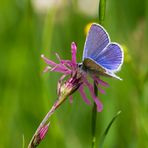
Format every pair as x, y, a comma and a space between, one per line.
33, 143
102, 7
51, 111
94, 118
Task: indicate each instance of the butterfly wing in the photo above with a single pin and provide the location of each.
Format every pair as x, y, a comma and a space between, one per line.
99, 54
111, 58
97, 39
92, 67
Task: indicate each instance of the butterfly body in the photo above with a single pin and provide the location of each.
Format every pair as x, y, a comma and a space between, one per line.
101, 56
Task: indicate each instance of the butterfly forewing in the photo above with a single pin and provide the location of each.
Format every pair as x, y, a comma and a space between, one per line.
97, 39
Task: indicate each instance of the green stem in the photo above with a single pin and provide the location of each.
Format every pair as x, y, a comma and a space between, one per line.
59, 101
94, 118
43, 123
102, 7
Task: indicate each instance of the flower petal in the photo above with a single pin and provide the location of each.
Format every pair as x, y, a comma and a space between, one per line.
99, 88
43, 131
74, 51
59, 84
81, 90
71, 99
47, 68
96, 100
61, 69
58, 57
51, 63
99, 81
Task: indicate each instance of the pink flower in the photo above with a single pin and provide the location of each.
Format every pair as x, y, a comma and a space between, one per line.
43, 131
39, 136
77, 79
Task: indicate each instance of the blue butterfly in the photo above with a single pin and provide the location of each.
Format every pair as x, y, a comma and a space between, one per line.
100, 55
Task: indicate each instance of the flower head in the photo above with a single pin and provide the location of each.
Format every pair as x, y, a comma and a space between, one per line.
39, 136
77, 79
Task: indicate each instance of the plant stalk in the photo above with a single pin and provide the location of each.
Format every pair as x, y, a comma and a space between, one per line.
102, 8
44, 121
101, 11
94, 118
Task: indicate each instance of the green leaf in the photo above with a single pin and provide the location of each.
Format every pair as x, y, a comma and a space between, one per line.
107, 129
23, 144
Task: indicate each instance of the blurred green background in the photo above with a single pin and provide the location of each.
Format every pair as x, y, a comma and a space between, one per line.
31, 28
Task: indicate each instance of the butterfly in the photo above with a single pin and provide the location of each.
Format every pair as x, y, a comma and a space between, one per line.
100, 55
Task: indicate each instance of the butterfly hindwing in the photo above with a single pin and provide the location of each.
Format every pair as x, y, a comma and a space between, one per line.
90, 65
111, 58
